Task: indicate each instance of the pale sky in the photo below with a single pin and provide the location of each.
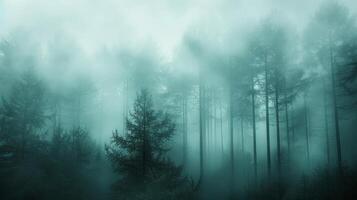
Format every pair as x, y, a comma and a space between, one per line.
132, 23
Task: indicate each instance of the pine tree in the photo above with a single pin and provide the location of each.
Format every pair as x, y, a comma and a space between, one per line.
140, 155
22, 114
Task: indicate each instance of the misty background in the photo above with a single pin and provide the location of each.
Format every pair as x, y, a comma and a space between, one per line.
90, 40
95, 56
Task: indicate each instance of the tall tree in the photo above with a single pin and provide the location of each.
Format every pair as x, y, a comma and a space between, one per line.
23, 113
331, 27
140, 155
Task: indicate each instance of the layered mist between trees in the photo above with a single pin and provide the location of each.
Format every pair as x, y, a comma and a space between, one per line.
267, 114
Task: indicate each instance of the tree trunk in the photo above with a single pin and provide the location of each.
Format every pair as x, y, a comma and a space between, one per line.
144, 142
206, 118
267, 114
326, 126
254, 133
231, 131
242, 133
221, 124
335, 109
231, 138
206, 124
277, 127
292, 126
287, 123
184, 130
306, 130
201, 129
215, 120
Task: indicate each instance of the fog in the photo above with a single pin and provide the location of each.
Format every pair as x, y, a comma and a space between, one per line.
261, 95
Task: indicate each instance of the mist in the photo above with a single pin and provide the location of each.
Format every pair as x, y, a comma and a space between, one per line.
231, 99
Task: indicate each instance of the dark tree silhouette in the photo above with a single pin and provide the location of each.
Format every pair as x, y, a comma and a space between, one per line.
139, 157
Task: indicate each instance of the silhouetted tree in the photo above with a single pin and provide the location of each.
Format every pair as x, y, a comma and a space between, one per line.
139, 157
331, 28
22, 114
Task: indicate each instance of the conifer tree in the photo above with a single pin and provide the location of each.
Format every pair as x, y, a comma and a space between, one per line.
140, 155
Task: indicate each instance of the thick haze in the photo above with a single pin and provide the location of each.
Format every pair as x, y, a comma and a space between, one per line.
83, 30
84, 39
95, 24
253, 87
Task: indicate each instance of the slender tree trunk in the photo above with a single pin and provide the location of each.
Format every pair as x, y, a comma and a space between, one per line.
326, 126
242, 133
277, 121
184, 129
144, 142
292, 127
231, 138
215, 120
201, 129
254, 133
267, 114
206, 126
207, 123
335, 109
231, 132
221, 124
307, 130
287, 123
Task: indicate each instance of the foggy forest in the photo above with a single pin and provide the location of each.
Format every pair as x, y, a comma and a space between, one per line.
178, 100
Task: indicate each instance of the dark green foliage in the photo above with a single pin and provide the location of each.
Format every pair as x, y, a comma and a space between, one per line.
347, 73
33, 164
21, 116
61, 169
69, 165
139, 157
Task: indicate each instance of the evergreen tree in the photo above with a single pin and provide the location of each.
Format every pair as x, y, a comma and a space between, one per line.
22, 114
331, 29
139, 157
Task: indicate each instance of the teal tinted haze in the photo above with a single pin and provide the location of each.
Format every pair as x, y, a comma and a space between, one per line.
178, 99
